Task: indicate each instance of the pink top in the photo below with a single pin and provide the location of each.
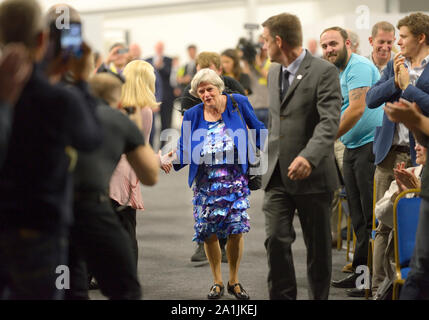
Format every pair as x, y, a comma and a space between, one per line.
124, 184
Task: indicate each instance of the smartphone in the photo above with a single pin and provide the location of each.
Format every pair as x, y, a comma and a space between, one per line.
71, 40
122, 51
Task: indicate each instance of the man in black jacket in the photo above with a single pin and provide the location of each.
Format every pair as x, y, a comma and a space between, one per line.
50, 123
97, 236
163, 65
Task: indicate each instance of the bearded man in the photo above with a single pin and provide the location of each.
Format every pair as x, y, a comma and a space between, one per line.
356, 132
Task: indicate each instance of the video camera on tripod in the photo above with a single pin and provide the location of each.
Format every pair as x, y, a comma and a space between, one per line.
247, 46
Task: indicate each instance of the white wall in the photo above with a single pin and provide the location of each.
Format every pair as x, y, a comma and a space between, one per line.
214, 25
215, 30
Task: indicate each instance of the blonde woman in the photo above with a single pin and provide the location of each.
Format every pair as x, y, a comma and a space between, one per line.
138, 101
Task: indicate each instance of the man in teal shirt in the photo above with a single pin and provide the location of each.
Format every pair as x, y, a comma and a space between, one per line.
356, 132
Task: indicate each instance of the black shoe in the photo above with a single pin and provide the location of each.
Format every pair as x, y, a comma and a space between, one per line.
214, 294
242, 295
346, 283
200, 254
224, 256
357, 293
93, 284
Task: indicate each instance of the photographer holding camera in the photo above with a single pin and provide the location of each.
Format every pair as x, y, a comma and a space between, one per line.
50, 120
116, 60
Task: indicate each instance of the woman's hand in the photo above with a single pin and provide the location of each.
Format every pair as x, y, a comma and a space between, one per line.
165, 161
405, 179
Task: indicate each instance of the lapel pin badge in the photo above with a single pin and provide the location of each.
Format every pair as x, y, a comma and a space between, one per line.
299, 77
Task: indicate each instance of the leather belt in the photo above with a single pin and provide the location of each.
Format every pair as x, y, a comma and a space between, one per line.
401, 149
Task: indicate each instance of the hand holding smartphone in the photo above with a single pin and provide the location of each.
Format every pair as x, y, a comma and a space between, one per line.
71, 40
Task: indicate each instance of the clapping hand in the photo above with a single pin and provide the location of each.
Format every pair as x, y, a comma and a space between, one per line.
166, 160
405, 179
402, 77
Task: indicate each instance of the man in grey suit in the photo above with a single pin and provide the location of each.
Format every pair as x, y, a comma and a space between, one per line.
305, 101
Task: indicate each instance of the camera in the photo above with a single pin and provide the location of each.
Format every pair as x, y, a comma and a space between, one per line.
248, 49
65, 42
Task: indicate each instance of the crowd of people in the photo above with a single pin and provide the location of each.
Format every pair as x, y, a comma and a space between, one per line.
76, 136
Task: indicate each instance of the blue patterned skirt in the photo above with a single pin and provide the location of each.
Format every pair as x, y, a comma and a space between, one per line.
220, 202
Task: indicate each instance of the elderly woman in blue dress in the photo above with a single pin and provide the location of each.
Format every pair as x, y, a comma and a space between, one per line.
214, 142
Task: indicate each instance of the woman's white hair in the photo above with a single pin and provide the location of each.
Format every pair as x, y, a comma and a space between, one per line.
208, 76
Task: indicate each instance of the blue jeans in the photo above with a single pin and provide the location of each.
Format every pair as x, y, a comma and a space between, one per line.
416, 285
28, 264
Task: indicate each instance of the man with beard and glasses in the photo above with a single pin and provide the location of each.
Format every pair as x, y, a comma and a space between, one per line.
356, 132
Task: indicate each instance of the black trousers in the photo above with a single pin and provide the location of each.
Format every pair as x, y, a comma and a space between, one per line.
127, 217
358, 169
99, 242
166, 116
314, 212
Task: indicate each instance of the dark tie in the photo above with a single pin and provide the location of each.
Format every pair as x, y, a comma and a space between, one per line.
285, 84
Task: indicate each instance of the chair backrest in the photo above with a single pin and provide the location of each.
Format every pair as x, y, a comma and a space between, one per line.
405, 220
344, 202
374, 201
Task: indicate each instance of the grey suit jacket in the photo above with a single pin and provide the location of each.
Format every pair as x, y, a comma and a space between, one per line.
305, 124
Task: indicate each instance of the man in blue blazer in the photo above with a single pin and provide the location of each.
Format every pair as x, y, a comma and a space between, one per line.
163, 66
405, 76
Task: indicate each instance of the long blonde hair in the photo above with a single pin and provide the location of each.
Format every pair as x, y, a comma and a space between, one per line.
139, 87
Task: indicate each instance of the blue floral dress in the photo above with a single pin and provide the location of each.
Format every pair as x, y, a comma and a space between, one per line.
220, 190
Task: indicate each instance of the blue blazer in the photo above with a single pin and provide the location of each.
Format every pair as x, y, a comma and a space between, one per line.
192, 137
386, 91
